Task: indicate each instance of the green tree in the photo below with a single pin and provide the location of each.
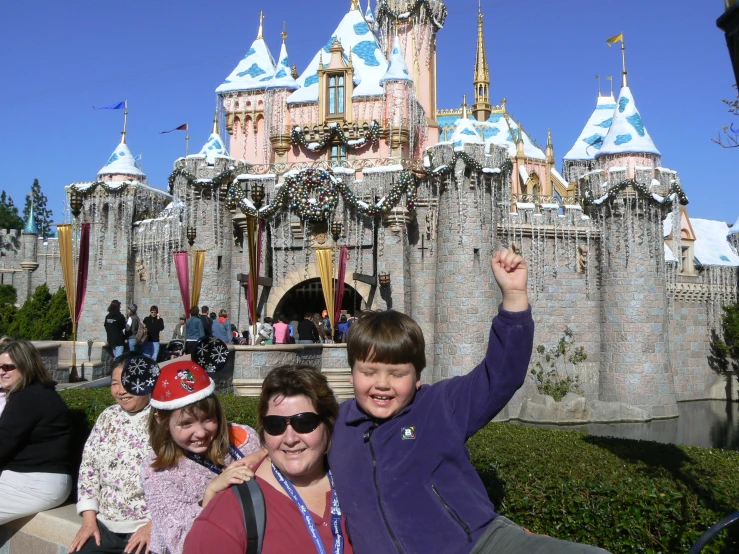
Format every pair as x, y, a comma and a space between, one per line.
724, 358
37, 201
43, 316
548, 363
8, 298
9, 218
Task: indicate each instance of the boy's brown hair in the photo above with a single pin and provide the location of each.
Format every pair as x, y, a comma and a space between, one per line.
168, 452
387, 337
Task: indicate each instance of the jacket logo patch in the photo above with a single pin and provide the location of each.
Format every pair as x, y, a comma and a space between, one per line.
408, 433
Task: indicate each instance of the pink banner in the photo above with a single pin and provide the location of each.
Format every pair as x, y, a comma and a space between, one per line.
82, 268
183, 277
339, 299
252, 307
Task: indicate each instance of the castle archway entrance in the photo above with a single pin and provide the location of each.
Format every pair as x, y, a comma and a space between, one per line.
307, 296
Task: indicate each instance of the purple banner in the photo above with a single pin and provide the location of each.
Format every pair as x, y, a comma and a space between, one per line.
82, 269
183, 277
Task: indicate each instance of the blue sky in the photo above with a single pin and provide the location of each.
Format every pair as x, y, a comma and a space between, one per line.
61, 58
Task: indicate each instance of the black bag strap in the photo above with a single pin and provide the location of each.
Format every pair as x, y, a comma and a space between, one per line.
255, 514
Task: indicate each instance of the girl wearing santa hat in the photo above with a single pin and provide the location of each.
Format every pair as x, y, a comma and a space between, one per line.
196, 452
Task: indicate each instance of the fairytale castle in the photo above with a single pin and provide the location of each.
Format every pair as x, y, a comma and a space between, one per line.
423, 196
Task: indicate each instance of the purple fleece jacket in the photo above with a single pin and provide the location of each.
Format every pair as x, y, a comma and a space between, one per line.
407, 484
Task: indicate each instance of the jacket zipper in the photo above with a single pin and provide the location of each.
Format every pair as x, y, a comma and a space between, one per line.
377, 489
452, 512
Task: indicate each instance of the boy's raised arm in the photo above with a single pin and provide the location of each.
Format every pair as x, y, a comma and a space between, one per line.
477, 397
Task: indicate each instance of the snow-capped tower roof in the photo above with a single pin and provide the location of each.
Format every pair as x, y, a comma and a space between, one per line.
283, 77
464, 130
31, 227
502, 130
255, 70
734, 228
214, 146
398, 69
122, 162
370, 64
595, 130
627, 133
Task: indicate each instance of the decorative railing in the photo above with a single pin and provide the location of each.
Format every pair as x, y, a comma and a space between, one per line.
355, 164
539, 200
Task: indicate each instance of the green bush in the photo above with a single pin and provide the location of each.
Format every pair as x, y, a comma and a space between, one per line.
622, 495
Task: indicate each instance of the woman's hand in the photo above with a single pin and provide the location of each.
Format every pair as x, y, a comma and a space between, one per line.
139, 541
511, 273
89, 529
235, 474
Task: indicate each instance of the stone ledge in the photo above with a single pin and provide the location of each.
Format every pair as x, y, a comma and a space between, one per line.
49, 532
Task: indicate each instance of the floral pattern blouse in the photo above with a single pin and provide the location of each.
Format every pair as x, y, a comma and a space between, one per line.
109, 479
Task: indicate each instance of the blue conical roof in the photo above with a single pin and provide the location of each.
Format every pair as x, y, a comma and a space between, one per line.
214, 148
595, 131
122, 162
627, 133
283, 77
31, 227
465, 133
398, 69
253, 72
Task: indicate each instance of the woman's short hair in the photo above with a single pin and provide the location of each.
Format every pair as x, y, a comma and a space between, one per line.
223, 313
28, 363
299, 380
194, 311
166, 450
115, 307
387, 337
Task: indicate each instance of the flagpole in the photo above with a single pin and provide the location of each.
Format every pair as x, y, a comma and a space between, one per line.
624, 80
125, 120
187, 137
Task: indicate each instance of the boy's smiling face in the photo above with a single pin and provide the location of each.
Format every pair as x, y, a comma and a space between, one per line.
384, 390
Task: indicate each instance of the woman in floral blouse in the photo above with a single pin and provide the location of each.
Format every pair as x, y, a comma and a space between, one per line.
110, 497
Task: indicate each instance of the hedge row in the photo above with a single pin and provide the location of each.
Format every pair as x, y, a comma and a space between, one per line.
622, 495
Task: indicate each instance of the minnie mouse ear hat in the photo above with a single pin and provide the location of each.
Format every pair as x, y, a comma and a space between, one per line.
211, 353
139, 375
181, 384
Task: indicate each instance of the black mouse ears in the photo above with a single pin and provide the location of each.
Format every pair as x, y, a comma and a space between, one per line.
210, 353
139, 375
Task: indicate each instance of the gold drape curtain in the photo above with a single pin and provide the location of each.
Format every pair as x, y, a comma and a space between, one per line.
67, 257
198, 264
326, 270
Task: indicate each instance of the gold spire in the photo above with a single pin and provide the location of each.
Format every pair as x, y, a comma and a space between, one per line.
464, 106
355, 5
481, 108
260, 33
284, 31
215, 123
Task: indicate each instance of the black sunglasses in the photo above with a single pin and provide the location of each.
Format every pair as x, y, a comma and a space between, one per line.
302, 423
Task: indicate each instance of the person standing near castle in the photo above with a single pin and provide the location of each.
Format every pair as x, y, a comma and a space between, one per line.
115, 328
132, 326
206, 321
154, 325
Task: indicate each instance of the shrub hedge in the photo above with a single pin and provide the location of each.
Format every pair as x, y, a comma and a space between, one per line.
623, 495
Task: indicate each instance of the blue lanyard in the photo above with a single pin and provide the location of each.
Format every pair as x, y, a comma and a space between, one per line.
308, 519
236, 454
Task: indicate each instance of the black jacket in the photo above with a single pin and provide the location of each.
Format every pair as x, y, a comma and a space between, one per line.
207, 325
307, 330
154, 326
115, 327
36, 432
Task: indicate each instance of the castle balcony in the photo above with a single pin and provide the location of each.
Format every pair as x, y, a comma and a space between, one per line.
354, 132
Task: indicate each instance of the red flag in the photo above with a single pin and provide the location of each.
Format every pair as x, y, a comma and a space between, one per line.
82, 267
182, 127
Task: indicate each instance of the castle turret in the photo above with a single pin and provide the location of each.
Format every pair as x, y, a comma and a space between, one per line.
122, 166
214, 147
398, 87
581, 157
278, 89
482, 108
29, 261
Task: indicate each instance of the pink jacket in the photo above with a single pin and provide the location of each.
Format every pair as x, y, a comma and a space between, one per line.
282, 331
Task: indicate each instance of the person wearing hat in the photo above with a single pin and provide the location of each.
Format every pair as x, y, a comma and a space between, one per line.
196, 453
132, 326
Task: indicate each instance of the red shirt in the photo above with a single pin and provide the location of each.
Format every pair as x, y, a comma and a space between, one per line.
220, 526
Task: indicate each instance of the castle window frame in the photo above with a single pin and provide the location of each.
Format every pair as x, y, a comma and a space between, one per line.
337, 155
687, 267
336, 94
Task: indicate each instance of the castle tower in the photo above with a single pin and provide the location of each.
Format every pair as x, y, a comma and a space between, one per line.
482, 108
581, 157
398, 87
733, 237
29, 261
417, 35
243, 97
278, 118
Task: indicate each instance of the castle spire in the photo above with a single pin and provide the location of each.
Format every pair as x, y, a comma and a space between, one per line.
31, 227
215, 123
355, 5
464, 106
260, 33
481, 108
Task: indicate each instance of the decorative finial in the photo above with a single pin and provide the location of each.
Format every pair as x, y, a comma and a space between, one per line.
284, 32
610, 78
464, 106
215, 123
125, 122
599, 89
260, 33
549, 138
355, 5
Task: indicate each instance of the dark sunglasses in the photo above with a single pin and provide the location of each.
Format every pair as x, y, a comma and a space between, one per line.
302, 423
7, 367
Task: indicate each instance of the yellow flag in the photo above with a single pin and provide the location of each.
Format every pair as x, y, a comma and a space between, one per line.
613, 40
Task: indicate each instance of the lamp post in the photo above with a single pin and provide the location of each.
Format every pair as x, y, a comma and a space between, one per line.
729, 24
252, 224
384, 279
192, 234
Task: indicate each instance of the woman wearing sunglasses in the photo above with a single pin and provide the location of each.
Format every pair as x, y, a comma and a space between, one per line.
297, 412
36, 438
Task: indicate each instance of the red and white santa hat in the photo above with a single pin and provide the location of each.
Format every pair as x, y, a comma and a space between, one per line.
180, 384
